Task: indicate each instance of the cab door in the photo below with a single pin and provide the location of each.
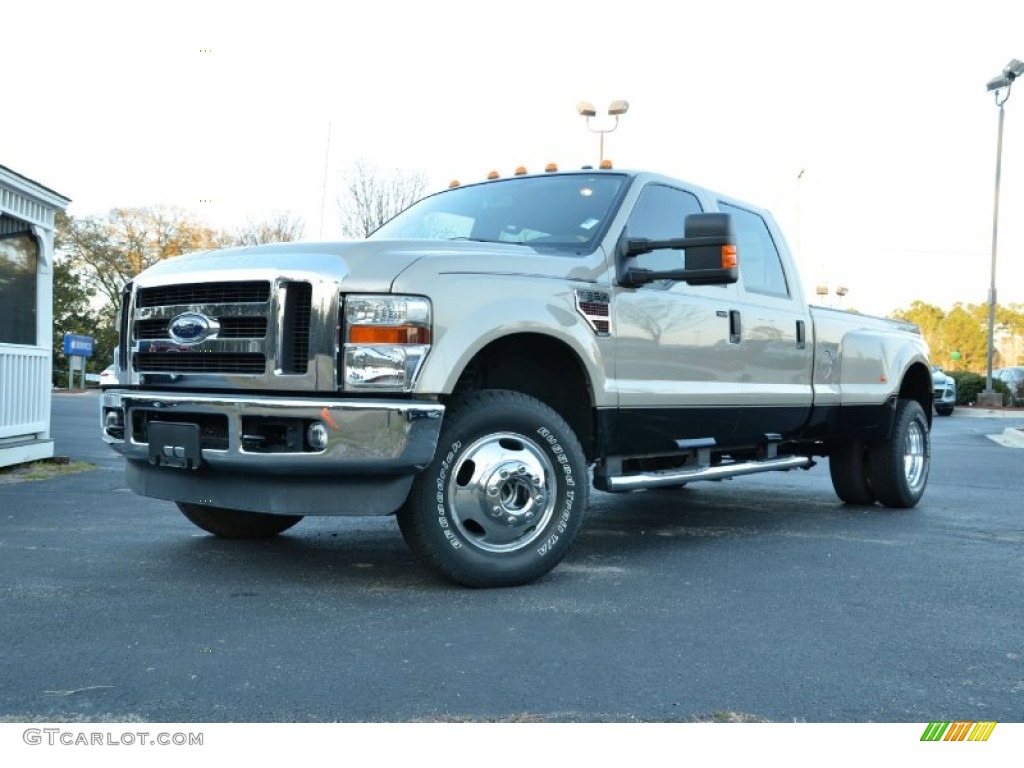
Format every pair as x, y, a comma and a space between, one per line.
678, 363
774, 328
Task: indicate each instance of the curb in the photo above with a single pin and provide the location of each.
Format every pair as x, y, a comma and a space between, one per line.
990, 413
1012, 437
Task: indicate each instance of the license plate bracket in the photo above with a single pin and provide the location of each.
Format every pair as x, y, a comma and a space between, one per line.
174, 444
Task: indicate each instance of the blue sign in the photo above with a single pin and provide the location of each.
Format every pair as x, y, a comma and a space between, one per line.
77, 345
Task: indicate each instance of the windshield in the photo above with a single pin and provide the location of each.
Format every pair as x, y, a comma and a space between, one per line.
569, 211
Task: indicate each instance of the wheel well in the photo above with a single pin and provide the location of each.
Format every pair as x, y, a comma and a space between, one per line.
917, 385
541, 367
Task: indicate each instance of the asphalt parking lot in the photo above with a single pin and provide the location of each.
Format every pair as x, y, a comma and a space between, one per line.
762, 598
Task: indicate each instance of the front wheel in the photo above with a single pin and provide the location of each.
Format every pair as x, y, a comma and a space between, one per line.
504, 496
898, 466
234, 524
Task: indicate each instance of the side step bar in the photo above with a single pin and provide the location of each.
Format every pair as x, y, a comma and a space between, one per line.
666, 478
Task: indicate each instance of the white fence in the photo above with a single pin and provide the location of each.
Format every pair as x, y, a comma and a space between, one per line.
24, 392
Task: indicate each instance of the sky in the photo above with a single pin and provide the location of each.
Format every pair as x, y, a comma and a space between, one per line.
865, 128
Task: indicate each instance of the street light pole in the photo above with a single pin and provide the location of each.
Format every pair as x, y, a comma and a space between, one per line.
995, 239
1001, 86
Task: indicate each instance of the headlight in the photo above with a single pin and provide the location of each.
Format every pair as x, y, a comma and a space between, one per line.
385, 340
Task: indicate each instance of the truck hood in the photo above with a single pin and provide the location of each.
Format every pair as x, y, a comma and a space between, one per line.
362, 266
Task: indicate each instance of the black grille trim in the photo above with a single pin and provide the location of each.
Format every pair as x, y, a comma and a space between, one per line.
200, 362
298, 305
246, 292
123, 324
213, 428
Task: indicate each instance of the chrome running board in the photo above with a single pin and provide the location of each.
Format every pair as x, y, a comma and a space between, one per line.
670, 477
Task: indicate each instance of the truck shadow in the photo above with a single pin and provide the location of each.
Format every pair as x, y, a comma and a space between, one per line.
621, 531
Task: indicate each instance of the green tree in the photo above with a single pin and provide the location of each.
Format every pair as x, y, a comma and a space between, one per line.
108, 251
72, 313
97, 255
961, 331
964, 329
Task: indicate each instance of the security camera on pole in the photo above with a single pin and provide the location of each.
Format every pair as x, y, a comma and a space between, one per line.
1001, 85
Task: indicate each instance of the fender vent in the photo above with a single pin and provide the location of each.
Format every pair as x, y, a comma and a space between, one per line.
595, 306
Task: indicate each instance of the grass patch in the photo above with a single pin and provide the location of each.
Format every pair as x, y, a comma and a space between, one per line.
43, 469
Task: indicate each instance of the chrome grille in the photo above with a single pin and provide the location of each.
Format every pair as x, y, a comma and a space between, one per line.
230, 328
212, 334
238, 314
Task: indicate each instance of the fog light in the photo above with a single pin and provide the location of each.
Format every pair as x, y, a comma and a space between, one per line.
316, 436
113, 423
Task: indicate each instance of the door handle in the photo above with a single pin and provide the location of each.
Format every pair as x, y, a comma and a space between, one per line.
735, 327
801, 335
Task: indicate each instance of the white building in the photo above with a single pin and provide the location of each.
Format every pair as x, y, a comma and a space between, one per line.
27, 211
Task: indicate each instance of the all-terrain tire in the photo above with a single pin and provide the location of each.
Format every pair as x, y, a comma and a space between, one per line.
898, 466
505, 494
848, 466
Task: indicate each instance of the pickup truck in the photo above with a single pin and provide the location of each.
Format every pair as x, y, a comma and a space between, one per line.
482, 359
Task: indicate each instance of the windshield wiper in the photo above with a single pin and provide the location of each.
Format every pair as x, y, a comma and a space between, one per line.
485, 240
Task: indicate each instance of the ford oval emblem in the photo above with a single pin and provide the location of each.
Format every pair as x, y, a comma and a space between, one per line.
192, 328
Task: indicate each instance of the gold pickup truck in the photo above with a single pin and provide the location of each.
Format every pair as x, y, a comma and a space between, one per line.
487, 355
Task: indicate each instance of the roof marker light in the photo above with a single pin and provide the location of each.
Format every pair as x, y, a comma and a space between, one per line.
521, 170
606, 165
551, 168
493, 175
453, 183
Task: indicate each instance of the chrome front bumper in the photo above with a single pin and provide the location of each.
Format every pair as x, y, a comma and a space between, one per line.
254, 453
269, 435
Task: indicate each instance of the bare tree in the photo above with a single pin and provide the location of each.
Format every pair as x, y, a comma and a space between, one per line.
282, 227
372, 196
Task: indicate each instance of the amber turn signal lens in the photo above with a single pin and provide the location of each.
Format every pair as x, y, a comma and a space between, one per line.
389, 334
729, 257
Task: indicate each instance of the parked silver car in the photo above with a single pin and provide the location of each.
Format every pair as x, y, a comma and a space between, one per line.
108, 377
944, 392
1013, 378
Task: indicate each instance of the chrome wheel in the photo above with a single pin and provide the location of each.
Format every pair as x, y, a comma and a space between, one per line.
898, 465
915, 459
505, 494
500, 492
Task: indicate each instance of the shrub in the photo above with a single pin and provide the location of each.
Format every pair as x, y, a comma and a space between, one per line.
970, 385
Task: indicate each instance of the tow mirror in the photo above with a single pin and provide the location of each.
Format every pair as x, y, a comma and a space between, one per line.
710, 258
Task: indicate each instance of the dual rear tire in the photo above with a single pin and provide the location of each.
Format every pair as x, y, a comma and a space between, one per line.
892, 471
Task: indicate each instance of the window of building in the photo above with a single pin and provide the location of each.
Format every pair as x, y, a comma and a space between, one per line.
19, 257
